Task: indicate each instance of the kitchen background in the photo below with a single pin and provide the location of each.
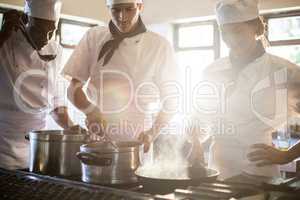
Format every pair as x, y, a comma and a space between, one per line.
182, 23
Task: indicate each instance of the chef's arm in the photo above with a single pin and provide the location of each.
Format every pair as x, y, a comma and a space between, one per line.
11, 20
263, 154
77, 96
61, 117
167, 112
294, 152
149, 136
162, 121
94, 120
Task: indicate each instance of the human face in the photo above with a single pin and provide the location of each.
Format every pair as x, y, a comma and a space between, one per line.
41, 31
239, 37
125, 16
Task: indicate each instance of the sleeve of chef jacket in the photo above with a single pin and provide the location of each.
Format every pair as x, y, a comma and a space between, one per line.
293, 90
79, 64
167, 79
287, 82
59, 84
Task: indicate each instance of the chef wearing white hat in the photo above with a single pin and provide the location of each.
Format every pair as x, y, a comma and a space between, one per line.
28, 77
254, 97
49, 9
128, 56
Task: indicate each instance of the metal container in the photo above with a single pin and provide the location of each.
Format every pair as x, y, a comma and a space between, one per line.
104, 163
53, 152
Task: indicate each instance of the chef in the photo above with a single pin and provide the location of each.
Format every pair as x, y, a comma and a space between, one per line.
126, 69
28, 72
249, 90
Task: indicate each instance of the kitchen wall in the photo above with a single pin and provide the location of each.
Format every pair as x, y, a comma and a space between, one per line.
156, 11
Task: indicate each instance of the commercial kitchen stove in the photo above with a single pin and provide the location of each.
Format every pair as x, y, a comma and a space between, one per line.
20, 185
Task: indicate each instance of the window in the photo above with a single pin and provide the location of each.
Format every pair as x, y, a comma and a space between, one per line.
289, 52
284, 35
189, 36
71, 32
284, 28
196, 45
2, 10
1, 19
200, 43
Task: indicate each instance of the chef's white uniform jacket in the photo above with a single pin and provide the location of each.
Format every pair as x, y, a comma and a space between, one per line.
35, 90
147, 60
246, 107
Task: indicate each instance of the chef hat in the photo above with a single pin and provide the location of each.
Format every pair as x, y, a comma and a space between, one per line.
234, 11
112, 2
43, 9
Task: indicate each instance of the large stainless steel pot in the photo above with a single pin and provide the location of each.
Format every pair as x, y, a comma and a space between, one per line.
53, 152
104, 163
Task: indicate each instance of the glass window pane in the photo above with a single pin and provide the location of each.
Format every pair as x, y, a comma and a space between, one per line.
292, 53
195, 59
1, 18
196, 36
287, 28
72, 34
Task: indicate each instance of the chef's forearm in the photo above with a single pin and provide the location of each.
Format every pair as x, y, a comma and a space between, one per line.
77, 96
167, 112
294, 152
61, 117
162, 121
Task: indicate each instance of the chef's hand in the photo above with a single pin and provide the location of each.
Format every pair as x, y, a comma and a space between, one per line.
95, 123
77, 129
11, 22
264, 155
146, 138
61, 117
196, 155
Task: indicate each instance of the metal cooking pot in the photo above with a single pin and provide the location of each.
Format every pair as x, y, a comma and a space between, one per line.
104, 163
53, 152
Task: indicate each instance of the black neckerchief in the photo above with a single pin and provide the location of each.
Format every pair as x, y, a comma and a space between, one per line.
241, 62
110, 46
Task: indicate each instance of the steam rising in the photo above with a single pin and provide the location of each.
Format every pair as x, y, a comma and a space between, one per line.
170, 153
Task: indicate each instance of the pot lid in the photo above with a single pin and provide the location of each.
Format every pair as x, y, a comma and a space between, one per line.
58, 135
107, 147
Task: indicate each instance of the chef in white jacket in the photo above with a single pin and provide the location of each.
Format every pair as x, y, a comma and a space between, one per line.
249, 94
126, 69
27, 82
